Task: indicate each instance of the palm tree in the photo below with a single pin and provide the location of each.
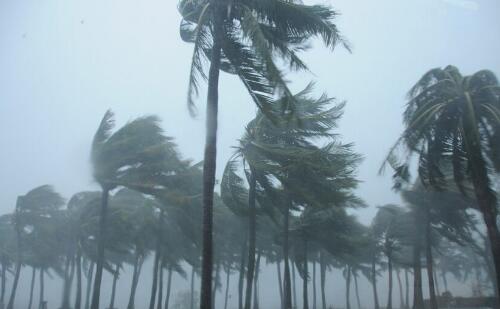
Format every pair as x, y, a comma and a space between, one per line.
7, 251
244, 38
453, 126
131, 156
31, 208
388, 229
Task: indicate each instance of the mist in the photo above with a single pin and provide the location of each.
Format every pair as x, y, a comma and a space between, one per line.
320, 124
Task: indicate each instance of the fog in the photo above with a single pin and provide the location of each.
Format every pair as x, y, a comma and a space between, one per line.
63, 64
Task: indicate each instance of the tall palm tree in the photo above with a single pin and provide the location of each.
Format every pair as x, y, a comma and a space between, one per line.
244, 38
453, 126
131, 156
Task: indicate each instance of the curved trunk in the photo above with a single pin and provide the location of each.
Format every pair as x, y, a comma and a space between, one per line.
96, 292
294, 287
68, 282
13, 291
192, 288
209, 162
2, 294
226, 296
418, 298
78, 298
445, 281
305, 298
169, 287
428, 259
12, 298
322, 271
42, 303
32, 287
241, 279
159, 304
348, 289
374, 284
280, 282
401, 298
436, 283
407, 290
252, 222
214, 289
389, 264
90, 274
154, 284
113, 287
135, 280
287, 288
255, 283
356, 289
314, 284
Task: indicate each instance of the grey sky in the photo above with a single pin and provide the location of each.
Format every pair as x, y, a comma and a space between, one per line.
64, 63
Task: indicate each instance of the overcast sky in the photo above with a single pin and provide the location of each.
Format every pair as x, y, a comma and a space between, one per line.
64, 63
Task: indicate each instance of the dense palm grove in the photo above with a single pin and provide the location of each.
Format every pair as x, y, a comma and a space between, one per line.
286, 197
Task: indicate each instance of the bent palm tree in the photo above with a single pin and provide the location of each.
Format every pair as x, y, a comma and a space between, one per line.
453, 125
244, 38
37, 204
129, 157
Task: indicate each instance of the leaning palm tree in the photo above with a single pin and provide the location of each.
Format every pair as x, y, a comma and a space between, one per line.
32, 207
453, 126
131, 157
244, 38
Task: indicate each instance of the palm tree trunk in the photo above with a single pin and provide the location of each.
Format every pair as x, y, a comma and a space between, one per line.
216, 281
418, 298
436, 282
210, 156
241, 279
485, 196
12, 298
287, 288
356, 289
374, 284
280, 282
169, 287
294, 305
68, 280
90, 274
154, 284
2, 293
135, 280
445, 281
32, 287
322, 272
226, 296
192, 288
113, 287
96, 292
407, 290
159, 304
428, 254
78, 298
314, 284
42, 289
252, 222
305, 298
256, 283
348, 288
389, 264
401, 298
